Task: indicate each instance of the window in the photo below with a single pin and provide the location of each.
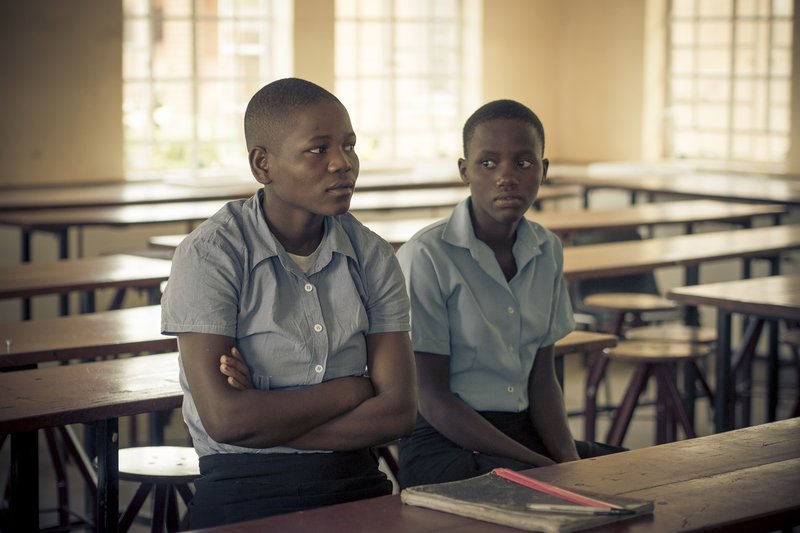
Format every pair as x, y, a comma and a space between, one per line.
409, 73
729, 79
189, 69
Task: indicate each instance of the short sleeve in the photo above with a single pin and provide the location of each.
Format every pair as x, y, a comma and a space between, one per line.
430, 329
202, 293
562, 317
387, 302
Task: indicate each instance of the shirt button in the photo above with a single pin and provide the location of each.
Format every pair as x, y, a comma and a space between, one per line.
308, 287
510, 388
510, 310
511, 348
317, 327
318, 369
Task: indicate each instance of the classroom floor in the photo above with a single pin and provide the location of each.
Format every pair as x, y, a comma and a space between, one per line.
640, 434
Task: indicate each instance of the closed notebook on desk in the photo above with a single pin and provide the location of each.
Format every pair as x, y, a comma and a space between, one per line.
493, 499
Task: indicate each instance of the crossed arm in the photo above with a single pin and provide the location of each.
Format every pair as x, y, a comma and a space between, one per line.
341, 414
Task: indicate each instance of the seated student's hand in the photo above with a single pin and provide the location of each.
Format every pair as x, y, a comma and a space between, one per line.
234, 367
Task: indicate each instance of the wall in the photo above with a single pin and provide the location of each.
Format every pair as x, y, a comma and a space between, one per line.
62, 91
579, 64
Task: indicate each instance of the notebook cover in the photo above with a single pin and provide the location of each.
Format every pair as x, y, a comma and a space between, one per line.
493, 499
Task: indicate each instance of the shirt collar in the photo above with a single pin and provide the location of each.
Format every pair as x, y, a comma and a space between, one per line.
459, 232
264, 245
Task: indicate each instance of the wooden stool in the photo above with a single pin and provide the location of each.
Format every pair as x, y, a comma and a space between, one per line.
672, 333
167, 469
623, 304
657, 359
792, 339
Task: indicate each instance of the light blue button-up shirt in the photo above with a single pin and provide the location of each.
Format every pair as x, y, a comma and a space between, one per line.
462, 306
231, 277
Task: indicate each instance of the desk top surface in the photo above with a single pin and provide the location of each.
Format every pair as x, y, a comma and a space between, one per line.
87, 392
628, 257
131, 330
699, 185
697, 484
118, 271
772, 296
398, 231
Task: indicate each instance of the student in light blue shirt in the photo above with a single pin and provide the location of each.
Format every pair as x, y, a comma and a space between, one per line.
315, 307
488, 302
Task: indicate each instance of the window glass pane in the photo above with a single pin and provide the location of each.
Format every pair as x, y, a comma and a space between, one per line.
730, 100
714, 34
190, 67
176, 8
405, 78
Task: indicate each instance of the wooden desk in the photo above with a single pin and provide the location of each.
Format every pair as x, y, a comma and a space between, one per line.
89, 393
737, 188
88, 274
630, 257
86, 336
773, 297
58, 221
566, 223
745, 480
124, 193
386, 200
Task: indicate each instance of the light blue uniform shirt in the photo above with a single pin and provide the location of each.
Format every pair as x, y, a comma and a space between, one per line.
462, 306
231, 277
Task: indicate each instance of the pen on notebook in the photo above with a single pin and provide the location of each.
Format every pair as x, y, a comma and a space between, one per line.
577, 509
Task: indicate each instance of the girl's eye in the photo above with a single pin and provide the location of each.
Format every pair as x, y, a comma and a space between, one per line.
488, 164
349, 147
524, 164
318, 150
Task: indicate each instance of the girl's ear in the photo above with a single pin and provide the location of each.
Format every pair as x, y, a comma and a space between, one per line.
545, 166
462, 170
259, 165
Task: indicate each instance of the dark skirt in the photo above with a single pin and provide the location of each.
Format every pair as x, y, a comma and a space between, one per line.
237, 487
427, 456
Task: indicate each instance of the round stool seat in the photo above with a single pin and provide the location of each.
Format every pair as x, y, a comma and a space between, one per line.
656, 352
159, 464
629, 301
672, 333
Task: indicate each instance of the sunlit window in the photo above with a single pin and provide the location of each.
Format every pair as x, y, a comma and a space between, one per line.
190, 67
409, 73
729, 82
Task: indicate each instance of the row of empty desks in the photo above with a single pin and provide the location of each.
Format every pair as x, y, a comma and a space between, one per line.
59, 221
737, 188
759, 299
99, 393
568, 223
744, 480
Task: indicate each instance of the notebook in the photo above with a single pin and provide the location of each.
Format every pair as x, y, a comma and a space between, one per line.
494, 498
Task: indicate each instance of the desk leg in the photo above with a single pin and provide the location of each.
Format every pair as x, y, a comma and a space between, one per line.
24, 498
722, 400
107, 515
25, 256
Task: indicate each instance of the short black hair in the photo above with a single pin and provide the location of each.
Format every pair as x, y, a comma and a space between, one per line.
501, 109
273, 106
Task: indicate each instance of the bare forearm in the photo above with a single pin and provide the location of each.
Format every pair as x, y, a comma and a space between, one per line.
460, 423
376, 421
549, 418
262, 419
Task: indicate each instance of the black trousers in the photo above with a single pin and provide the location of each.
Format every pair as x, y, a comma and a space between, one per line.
237, 487
427, 456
